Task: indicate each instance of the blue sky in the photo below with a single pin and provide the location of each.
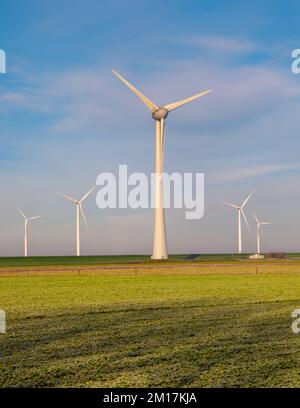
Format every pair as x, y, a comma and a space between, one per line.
65, 117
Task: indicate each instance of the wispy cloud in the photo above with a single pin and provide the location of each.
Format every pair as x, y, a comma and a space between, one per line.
220, 45
242, 173
83, 98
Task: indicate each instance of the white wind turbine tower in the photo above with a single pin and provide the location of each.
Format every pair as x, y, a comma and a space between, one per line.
241, 214
160, 114
26, 221
79, 209
258, 225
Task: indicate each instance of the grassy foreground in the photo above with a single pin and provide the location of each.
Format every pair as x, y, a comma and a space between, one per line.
103, 331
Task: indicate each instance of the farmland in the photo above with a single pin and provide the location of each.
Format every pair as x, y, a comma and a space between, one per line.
151, 329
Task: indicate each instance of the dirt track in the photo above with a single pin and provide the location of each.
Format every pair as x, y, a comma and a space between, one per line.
134, 269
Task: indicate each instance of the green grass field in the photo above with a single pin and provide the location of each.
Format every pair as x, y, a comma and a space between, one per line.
138, 331
37, 261
117, 259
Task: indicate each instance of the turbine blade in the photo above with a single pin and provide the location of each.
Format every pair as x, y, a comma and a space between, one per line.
21, 212
83, 216
151, 105
247, 199
175, 105
230, 205
35, 217
265, 223
255, 217
245, 219
67, 197
162, 134
87, 194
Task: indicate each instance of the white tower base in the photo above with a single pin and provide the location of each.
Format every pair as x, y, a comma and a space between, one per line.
159, 241
256, 256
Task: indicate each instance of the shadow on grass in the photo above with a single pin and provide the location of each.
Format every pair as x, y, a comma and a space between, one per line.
163, 344
192, 257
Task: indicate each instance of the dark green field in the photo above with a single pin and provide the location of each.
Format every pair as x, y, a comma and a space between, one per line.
154, 330
96, 260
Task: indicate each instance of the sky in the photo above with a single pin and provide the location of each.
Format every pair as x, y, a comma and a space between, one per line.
65, 118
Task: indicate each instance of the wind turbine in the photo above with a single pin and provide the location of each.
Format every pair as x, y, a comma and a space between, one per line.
241, 214
258, 225
159, 114
26, 221
78, 210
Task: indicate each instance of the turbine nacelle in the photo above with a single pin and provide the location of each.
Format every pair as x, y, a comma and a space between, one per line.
160, 114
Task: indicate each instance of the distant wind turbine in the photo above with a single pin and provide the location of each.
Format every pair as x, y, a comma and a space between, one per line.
258, 225
160, 114
26, 221
78, 210
241, 213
